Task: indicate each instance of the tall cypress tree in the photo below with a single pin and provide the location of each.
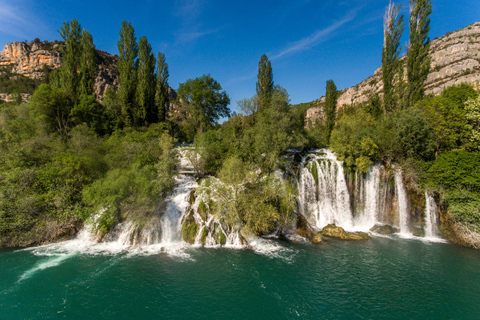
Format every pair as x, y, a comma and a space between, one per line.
265, 82
392, 32
418, 59
88, 64
77, 73
331, 97
161, 95
145, 112
71, 33
127, 68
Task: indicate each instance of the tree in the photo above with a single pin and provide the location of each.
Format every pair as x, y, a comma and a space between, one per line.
331, 96
392, 32
53, 107
472, 109
127, 67
161, 95
78, 70
201, 103
145, 112
71, 33
265, 82
88, 64
418, 59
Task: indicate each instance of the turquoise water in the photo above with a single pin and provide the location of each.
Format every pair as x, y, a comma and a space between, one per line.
381, 278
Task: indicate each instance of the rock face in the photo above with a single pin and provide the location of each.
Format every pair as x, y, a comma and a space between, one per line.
455, 60
33, 59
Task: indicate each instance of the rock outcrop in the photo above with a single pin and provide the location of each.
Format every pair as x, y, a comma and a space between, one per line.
34, 59
455, 60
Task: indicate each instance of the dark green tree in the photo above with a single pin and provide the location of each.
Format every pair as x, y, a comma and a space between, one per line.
71, 33
265, 82
161, 94
88, 65
145, 112
201, 103
127, 68
418, 59
331, 96
392, 32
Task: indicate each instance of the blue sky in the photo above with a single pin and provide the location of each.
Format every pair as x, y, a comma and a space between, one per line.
307, 41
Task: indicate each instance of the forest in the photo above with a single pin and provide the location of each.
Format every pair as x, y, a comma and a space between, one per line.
68, 158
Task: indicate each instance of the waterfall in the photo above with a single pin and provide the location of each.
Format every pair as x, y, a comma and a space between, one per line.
370, 195
177, 205
431, 221
324, 192
402, 199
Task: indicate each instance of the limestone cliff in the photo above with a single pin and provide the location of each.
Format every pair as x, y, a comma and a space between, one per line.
455, 60
34, 59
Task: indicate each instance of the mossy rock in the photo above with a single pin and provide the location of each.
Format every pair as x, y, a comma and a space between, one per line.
204, 235
191, 200
223, 238
317, 239
189, 231
202, 210
384, 229
333, 231
303, 228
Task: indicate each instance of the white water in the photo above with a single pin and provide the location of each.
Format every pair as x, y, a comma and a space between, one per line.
431, 219
371, 198
328, 201
325, 199
402, 199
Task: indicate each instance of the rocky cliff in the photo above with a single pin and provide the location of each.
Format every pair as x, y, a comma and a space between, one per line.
455, 60
34, 59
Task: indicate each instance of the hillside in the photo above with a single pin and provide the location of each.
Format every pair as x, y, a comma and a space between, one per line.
455, 60
34, 59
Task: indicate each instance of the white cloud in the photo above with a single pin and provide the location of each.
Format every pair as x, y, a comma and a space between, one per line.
16, 21
316, 38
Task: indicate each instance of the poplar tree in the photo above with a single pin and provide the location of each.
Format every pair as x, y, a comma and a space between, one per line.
161, 95
145, 111
127, 68
78, 70
264, 83
418, 59
88, 64
71, 33
393, 27
331, 97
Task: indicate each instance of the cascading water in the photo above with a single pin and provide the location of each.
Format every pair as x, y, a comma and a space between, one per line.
324, 192
431, 220
402, 199
370, 198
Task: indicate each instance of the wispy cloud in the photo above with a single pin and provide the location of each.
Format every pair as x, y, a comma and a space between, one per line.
317, 37
16, 21
188, 36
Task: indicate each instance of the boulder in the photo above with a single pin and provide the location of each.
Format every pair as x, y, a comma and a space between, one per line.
384, 229
333, 231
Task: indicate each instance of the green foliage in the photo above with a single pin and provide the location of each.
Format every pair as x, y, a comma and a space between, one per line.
264, 82
53, 107
127, 69
79, 62
146, 111
353, 139
446, 113
472, 114
201, 103
161, 94
418, 59
10, 82
330, 108
393, 30
414, 135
